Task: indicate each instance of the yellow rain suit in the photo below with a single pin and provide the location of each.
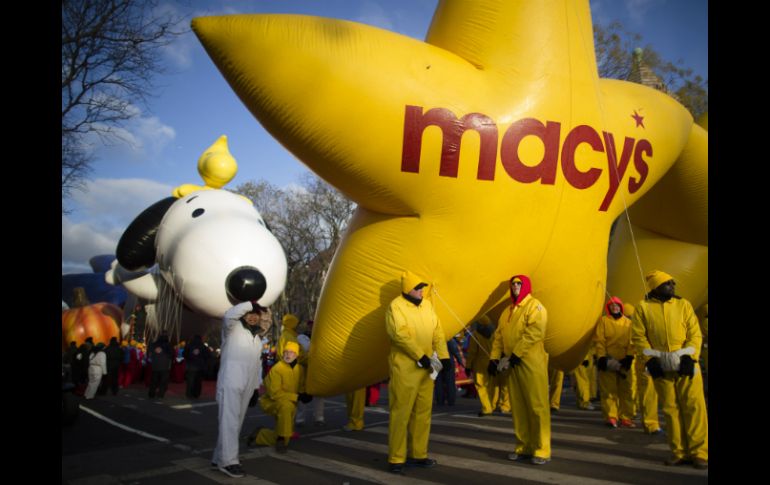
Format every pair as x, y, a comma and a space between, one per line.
282, 387
414, 331
356, 401
478, 360
555, 381
521, 331
289, 334
670, 326
583, 375
617, 388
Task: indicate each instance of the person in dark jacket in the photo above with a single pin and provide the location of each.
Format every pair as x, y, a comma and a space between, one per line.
114, 358
161, 354
196, 356
445, 391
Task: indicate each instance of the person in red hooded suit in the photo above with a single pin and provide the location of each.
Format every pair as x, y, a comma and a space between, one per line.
518, 344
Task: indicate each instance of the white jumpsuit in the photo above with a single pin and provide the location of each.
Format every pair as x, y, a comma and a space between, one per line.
240, 373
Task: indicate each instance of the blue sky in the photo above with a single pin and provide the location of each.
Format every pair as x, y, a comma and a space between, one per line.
194, 105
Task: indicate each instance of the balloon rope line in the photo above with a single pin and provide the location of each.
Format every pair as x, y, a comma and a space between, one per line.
588, 45
464, 326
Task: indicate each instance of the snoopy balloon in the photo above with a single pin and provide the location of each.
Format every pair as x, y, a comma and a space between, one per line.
210, 247
488, 150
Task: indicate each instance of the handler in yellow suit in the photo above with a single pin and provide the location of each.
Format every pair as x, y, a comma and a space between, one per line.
355, 402
646, 396
284, 386
415, 334
519, 337
289, 334
477, 361
582, 381
617, 375
665, 330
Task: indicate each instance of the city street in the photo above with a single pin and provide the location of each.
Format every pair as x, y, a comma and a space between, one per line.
131, 439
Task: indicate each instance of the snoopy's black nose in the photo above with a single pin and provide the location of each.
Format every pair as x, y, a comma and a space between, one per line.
245, 284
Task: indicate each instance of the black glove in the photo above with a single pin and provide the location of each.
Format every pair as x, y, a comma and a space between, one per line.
686, 366
654, 367
601, 364
303, 397
446, 364
514, 360
492, 367
585, 363
254, 398
425, 363
468, 371
625, 362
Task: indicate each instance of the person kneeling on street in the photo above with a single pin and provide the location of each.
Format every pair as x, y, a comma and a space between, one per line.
284, 386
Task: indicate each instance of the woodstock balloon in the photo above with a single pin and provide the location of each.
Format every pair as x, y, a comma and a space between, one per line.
489, 150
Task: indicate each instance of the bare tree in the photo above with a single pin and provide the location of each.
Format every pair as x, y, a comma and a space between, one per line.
309, 222
614, 46
110, 53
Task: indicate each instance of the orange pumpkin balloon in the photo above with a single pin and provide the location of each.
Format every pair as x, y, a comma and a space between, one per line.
100, 321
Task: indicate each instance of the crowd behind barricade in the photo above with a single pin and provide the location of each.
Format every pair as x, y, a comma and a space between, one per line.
642, 359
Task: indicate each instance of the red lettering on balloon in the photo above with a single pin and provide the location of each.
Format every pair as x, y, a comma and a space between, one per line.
576, 178
452, 130
643, 146
616, 169
545, 170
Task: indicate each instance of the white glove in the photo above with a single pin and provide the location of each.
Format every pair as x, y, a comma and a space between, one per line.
613, 365
504, 364
304, 341
435, 363
669, 361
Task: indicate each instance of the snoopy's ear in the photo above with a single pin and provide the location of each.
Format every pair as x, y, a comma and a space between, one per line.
136, 248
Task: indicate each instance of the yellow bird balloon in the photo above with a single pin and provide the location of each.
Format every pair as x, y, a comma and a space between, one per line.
491, 149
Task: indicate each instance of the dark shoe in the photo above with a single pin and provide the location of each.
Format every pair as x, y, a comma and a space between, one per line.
234, 471
422, 462
319, 422
281, 446
214, 466
654, 431
554, 410
482, 414
700, 463
677, 462
536, 460
518, 457
396, 468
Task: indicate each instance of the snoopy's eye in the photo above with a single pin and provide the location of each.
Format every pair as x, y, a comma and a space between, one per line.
262, 223
198, 212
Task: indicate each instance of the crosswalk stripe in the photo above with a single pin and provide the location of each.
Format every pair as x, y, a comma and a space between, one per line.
507, 419
586, 456
598, 440
508, 470
347, 469
202, 467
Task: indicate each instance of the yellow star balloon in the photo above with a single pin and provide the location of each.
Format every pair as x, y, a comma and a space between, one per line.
491, 149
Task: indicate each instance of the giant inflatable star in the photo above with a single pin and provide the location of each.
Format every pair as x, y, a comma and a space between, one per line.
491, 149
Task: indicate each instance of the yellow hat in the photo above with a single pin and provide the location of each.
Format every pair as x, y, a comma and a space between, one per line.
656, 278
409, 281
293, 346
628, 309
290, 321
484, 320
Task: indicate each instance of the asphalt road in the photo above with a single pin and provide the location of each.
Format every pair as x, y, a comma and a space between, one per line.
131, 439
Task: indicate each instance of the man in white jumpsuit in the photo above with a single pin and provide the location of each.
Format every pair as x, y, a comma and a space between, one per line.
240, 373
